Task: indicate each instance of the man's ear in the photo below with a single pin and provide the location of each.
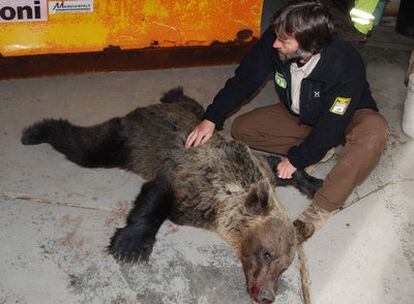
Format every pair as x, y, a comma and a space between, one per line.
257, 200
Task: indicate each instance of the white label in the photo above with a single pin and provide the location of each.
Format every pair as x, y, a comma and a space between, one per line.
72, 6
339, 108
23, 10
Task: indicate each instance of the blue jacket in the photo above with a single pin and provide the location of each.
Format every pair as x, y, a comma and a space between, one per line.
329, 96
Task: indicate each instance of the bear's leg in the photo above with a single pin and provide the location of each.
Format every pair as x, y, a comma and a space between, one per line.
99, 146
152, 207
301, 180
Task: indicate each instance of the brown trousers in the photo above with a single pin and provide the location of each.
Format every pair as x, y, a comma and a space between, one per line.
274, 129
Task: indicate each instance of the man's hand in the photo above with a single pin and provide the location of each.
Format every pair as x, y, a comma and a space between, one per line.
285, 169
201, 133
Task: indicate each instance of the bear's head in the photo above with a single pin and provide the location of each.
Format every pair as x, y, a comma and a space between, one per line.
266, 242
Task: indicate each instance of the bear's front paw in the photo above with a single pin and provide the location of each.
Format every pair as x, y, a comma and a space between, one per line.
131, 244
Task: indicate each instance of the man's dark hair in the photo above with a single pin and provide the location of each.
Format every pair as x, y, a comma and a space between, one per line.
309, 22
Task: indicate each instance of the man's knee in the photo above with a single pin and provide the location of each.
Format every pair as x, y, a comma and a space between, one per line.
240, 128
372, 130
378, 130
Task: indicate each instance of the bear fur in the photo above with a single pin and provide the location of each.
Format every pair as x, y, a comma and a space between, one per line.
221, 185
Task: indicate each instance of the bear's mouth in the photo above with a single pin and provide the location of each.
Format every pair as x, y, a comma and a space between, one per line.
254, 292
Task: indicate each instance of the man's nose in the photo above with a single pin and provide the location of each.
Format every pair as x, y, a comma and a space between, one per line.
277, 44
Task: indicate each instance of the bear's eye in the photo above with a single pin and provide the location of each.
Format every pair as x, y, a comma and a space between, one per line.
266, 255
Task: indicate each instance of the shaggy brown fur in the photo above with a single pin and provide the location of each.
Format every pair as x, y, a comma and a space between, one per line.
220, 185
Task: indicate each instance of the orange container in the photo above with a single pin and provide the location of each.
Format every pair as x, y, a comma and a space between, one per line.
33, 27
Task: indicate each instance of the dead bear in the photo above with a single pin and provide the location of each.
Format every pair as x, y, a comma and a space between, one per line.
220, 185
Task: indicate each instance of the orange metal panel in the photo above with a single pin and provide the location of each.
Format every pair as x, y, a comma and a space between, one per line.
127, 24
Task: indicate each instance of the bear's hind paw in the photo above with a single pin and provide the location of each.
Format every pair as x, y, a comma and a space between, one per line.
40, 132
32, 136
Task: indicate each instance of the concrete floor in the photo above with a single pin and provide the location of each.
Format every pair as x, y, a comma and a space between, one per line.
56, 218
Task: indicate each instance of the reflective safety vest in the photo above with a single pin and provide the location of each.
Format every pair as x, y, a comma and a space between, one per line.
362, 15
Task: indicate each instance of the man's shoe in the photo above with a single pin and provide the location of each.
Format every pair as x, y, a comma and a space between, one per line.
312, 219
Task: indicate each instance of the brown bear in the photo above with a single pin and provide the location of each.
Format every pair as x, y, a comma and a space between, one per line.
221, 185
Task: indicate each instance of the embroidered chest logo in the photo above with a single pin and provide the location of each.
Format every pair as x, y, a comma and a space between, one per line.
340, 105
316, 94
280, 80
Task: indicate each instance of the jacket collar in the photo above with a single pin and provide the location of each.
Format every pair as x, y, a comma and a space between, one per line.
321, 70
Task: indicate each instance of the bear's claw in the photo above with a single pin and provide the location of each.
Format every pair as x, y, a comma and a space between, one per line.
129, 244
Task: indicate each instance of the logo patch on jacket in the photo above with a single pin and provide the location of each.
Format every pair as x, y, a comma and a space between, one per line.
340, 105
280, 80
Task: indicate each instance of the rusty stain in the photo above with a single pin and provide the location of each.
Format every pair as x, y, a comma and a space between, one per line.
68, 220
244, 34
116, 59
120, 212
78, 258
71, 240
192, 42
112, 48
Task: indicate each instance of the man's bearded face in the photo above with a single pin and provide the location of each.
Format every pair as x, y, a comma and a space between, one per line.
287, 47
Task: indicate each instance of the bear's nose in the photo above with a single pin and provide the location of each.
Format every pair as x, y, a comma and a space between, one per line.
266, 296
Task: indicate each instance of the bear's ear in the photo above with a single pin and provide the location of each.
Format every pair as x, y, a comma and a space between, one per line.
257, 200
